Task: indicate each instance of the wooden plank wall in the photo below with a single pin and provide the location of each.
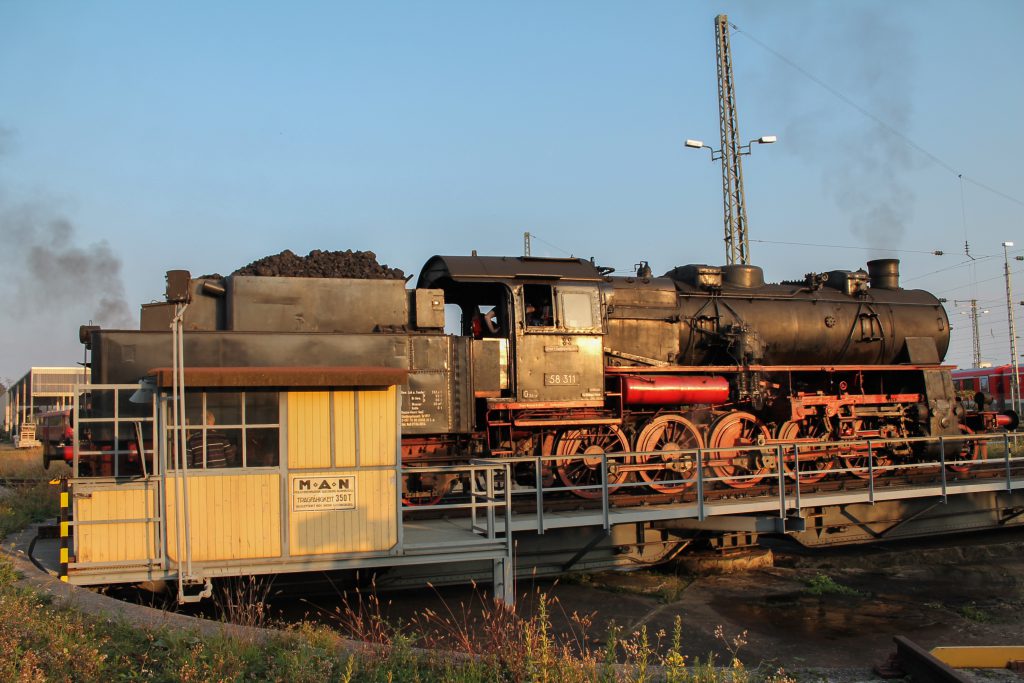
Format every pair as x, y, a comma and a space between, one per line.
233, 516
124, 541
367, 418
370, 526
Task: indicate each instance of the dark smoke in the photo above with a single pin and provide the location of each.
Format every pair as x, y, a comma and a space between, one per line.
52, 274
6, 135
865, 167
873, 187
48, 274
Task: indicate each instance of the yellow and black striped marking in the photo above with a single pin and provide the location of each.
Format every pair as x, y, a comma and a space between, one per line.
65, 527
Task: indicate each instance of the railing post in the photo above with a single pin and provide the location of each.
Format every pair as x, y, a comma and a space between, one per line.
782, 482
796, 473
942, 464
538, 483
1006, 443
700, 484
473, 494
871, 475
490, 502
508, 510
604, 492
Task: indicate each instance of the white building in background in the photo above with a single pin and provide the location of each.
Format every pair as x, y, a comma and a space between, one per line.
39, 390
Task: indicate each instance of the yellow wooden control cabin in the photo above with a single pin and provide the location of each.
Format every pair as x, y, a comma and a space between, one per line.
249, 471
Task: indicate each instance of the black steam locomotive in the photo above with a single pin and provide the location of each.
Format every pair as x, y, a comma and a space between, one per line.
512, 356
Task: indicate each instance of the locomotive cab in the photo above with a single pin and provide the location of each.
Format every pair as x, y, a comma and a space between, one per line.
546, 316
558, 348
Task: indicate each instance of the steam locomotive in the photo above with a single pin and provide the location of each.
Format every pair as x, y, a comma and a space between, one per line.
514, 356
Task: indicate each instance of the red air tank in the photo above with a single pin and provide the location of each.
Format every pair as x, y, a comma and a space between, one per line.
661, 390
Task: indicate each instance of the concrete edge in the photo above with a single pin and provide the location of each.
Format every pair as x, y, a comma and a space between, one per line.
105, 607
101, 606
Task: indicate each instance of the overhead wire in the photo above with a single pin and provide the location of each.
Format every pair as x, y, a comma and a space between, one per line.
877, 119
535, 236
942, 270
934, 252
988, 279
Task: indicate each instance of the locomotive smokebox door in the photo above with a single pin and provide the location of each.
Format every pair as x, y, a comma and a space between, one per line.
560, 356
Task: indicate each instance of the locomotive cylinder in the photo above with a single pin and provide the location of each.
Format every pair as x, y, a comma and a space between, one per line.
668, 390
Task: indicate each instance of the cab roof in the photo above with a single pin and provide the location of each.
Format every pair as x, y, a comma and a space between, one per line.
498, 268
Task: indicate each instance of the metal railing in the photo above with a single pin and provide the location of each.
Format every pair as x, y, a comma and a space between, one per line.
105, 457
483, 495
872, 459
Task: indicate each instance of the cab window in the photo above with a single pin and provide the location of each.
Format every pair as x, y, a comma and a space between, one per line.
537, 306
577, 310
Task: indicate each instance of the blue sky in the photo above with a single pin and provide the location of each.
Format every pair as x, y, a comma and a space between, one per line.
204, 135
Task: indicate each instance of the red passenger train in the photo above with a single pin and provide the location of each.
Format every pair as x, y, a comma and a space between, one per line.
995, 382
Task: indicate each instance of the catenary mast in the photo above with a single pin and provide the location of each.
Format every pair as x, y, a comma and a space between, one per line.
737, 246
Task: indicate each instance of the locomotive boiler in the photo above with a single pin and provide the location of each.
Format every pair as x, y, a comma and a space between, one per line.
616, 378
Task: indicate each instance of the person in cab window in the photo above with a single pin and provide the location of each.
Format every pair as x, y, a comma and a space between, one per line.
220, 452
539, 315
491, 325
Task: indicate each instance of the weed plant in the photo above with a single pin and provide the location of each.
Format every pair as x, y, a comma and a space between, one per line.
480, 641
823, 584
45, 642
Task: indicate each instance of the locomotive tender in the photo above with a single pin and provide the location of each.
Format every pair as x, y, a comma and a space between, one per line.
556, 357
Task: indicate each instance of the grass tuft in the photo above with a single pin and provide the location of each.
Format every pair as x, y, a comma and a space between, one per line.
823, 584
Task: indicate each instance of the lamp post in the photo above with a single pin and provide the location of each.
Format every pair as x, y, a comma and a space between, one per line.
1014, 360
716, 154
734, 203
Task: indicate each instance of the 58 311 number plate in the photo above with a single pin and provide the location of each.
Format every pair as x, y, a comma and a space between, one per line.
561, 379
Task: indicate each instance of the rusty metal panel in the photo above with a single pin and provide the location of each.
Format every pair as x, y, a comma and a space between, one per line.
298, 304
204, 312
438, 398
490, 367
126, 357
559, 367
642, 342
249, 377
429, 307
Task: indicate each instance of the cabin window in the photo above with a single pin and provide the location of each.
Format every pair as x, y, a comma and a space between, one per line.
537, 308
983, 383
577, 310
232, 429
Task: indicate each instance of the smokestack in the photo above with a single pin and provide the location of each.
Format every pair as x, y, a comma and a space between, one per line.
884, 273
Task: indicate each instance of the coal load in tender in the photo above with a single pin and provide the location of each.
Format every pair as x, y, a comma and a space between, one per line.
343, 264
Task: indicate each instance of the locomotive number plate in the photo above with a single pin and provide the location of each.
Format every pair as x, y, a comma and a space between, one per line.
561, 379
